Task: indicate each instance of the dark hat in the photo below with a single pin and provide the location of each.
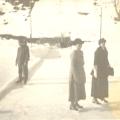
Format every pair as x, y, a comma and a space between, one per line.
102, 40
22, 42
78, 41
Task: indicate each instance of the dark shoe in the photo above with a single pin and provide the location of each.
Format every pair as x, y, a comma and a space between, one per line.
73, 107
19, 81
96, 101
25, 81
105, 100
79, 106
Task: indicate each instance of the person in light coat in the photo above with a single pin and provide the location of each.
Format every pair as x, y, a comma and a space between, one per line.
77, 76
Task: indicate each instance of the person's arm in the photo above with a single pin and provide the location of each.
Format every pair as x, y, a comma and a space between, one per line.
28, 53
74, 66
16, 62
107, 59
95, 63
95, 71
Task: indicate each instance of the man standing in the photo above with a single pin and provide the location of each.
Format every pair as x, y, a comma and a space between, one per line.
22, 60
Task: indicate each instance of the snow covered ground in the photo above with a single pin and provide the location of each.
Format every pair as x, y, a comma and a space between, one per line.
8, 69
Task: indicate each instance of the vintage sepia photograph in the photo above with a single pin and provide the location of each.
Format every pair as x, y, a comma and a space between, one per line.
58, 59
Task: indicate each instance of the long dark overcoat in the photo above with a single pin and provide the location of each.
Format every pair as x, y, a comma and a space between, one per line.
100, 85
77, 77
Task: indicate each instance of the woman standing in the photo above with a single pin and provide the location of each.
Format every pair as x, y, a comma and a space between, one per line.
77, 76
100, 75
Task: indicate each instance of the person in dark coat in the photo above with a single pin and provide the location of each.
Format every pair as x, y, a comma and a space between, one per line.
77, 76
100, 74
22, 59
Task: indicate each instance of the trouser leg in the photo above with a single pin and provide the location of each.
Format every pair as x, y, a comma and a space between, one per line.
26, 72
20, 72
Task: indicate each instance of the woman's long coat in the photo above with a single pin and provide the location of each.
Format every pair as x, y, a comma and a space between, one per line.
77, 77
100, 85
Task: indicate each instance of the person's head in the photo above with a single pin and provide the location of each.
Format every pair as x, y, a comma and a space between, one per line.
102, 42
22, 41
78, 43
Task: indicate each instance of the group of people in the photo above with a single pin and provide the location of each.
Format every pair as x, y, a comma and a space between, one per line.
99, 89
